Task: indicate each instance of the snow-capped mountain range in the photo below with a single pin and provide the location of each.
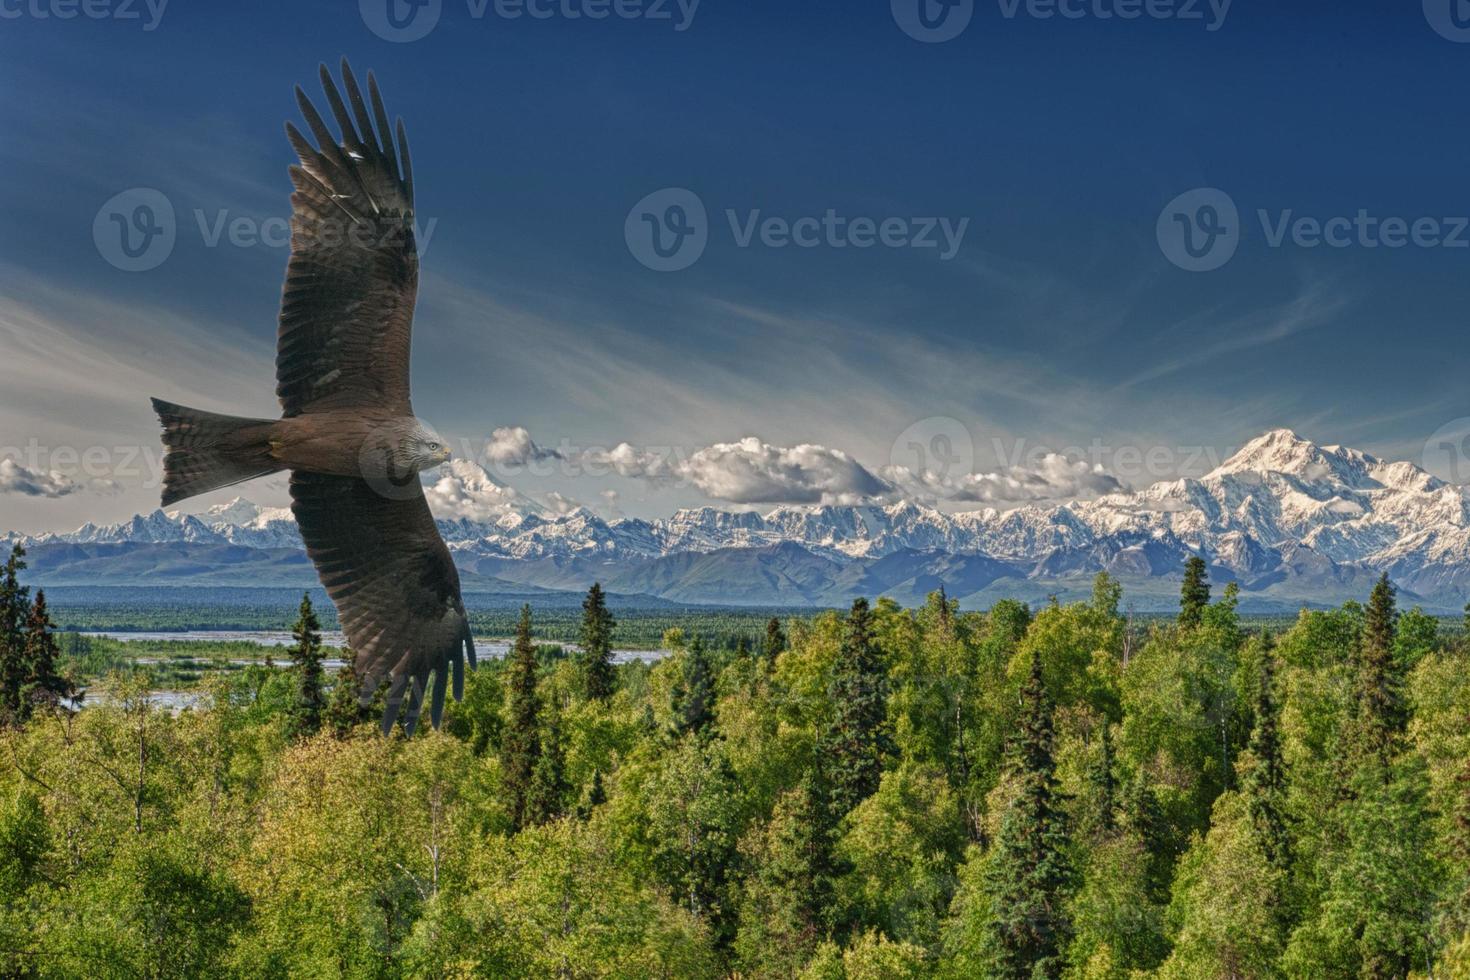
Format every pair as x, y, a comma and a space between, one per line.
1290, 520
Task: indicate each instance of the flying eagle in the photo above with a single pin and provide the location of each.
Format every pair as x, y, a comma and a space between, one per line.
347, 430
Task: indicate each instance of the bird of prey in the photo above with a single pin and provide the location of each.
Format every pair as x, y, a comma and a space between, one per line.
347, 430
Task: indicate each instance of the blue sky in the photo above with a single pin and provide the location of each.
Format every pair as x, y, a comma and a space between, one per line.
1059, 321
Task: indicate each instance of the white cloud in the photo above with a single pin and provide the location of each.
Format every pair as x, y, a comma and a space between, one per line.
754, 472
15, 478
1052, 477
747, 472
559, 503
629, 462
513, 446
462, 489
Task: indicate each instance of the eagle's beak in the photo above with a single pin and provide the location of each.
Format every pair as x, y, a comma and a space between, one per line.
445, 455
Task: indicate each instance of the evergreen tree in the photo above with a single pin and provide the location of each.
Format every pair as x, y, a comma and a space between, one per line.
44, 686
1029, 874
15, 608
775, 641
598, 675
310, 704
548, 793
853, 745
521, 745
787, 906
1457, 848
1141, 816
345, 710
694, 695
1102, 788
1380, 715
946, 612
1195, 595
1264, 781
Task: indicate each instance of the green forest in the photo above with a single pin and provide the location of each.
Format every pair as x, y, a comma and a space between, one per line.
872, 793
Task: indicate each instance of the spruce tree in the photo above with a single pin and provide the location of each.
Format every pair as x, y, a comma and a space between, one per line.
344, 705
1195, 594
521, 746
1264, 782
1458, 850
1380, 715
546, 799
853, 745
44, 685
1102, 788
1142, 817
946, 611
694, 695
775, 642
310, 704
595, 796
787, 905
598, 675
1029, 875
15, 608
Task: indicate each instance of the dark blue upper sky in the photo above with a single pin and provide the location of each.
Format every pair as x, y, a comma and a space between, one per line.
1060, 321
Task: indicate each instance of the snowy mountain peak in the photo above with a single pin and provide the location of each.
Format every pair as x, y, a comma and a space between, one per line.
1283, 452
237, 511
1282, 509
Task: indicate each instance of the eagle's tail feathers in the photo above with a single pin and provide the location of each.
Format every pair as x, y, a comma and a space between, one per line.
206, 451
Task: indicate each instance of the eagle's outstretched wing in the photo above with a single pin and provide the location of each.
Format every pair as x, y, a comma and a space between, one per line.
395, 587
347, 305
346, 318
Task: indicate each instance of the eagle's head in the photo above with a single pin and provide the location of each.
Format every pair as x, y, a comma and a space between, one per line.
425, 448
